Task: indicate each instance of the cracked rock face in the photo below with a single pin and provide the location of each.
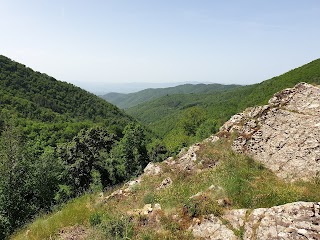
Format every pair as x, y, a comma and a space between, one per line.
284, 135
299, 220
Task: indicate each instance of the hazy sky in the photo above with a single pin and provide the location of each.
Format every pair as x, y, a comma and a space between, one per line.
101, 42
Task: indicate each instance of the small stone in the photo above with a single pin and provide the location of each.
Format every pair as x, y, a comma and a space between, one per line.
165, 183
157, 207
302, 231
196, 221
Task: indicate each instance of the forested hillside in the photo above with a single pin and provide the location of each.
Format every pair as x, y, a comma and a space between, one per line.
58, 141
184, 118
32, 93
132, 99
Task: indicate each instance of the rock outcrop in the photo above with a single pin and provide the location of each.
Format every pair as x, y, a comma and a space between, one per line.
284, 135
299, 220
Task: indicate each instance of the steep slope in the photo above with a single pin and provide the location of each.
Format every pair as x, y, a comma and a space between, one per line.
208, 191
132, 99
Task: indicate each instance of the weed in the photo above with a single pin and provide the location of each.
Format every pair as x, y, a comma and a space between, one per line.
149, 198
120, 227
202, 205
95, 219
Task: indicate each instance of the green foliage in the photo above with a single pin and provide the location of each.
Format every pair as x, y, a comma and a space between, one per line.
157, 151
39, 115
176, 140
239, 177
83, 161
95, 219
5, 226
44, 98
46, 226
206, 129
149, 198
202, 205
191, 119
63, 194
15, 199
135, 150
96, 184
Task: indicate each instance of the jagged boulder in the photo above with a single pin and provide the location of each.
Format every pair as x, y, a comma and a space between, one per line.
284, 135
186, 160
152, 169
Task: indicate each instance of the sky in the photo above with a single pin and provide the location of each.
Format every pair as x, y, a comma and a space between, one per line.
96, 44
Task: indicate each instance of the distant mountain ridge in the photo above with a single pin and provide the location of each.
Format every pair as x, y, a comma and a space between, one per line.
132, 99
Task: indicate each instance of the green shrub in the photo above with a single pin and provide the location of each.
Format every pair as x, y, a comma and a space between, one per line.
202, 205
4, 226
95, 219
64, 194
149, 198
117, 228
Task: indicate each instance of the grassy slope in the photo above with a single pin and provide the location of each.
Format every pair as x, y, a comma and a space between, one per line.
158, 113
132, 99
246, 184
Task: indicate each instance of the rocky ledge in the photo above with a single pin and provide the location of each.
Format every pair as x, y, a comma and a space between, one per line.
284, 135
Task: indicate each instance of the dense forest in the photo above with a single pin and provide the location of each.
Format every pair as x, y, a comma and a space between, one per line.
181, 119
58, 141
